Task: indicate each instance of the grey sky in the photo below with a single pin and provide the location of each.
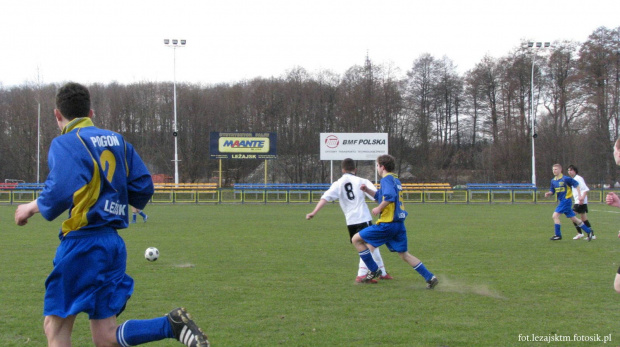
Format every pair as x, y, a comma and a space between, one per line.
228, 41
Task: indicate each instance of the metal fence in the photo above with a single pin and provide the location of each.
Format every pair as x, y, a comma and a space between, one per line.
280, 194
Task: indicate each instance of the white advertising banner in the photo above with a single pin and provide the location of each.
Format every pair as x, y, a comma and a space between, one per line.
357, 146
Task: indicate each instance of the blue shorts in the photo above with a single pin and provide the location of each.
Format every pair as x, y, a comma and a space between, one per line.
88, 275
566, 208
392, 235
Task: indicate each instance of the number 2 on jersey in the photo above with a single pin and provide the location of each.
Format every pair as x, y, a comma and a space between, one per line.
108, 164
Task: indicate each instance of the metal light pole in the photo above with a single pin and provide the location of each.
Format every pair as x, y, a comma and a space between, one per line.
38, 126
174, 44
536, 45
39, 143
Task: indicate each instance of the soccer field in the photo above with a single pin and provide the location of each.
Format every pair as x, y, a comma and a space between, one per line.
262, 275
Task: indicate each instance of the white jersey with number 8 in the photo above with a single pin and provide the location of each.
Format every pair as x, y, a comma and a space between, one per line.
352, 200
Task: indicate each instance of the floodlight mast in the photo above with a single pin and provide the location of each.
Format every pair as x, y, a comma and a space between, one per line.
174, 44
534, 45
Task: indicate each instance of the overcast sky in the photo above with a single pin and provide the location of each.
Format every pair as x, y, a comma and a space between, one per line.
233, 40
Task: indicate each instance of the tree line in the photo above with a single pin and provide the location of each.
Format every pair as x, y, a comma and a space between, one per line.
442, 126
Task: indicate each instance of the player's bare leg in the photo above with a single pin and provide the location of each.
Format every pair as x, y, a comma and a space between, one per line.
58, 330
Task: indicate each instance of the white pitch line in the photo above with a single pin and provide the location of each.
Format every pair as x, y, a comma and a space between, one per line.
606, 211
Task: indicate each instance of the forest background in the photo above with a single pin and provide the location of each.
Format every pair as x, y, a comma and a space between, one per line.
442, 126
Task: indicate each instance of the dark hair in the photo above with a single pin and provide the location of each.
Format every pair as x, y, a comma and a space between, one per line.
73, 101
574, 168
387, 161
348, 165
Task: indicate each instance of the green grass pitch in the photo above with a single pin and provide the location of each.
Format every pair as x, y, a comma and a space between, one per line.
262, 275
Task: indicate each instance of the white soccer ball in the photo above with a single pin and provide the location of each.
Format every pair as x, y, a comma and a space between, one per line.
151, 254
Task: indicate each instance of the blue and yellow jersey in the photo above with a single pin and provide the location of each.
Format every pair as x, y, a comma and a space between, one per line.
391, 190
95, 175
563, 186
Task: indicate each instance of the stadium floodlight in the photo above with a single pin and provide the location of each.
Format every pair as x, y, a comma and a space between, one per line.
174, 45
539, 45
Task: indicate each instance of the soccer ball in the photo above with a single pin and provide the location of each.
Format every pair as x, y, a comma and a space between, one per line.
151, 254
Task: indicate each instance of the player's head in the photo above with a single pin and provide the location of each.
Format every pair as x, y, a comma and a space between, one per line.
348, 165
572, 170
387, 161
73, 101
557, 169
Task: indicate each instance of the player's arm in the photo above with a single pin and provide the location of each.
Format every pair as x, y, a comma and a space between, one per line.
139, 182
366, 189
69, 172
377, 210
389, 195
330, 194
25, 211
319, 206
579, 198
577, 187
584, 190
550, 192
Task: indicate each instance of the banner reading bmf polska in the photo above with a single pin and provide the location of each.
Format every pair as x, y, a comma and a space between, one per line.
243, 145
357, 146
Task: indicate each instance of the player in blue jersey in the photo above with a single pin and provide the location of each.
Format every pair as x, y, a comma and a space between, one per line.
390, 227
353, 204
136, 212
562, 186
96, 176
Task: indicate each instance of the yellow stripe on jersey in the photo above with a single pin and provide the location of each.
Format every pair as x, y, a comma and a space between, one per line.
387, 215
83, 199
569, 192
126, 163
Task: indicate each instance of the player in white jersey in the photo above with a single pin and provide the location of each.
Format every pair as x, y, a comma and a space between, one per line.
353, 203
581, 202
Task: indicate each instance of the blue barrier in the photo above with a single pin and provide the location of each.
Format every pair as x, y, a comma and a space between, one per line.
30, 186
494, 186
283, 186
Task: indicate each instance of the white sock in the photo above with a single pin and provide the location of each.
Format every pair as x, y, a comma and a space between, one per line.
363, 270
376, 256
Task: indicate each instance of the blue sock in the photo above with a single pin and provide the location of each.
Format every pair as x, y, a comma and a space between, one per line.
134, 217
367, 259
421, 269
142, 214
585, 227
557, 230
135, 332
